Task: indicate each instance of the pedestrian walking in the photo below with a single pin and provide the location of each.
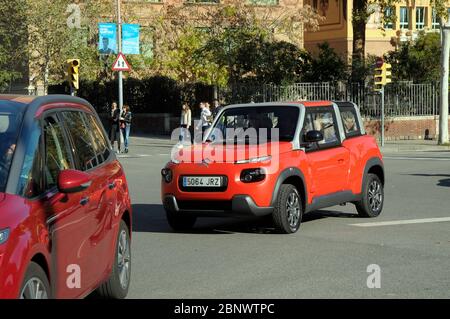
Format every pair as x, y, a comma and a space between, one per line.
205, 116
185, 122
115, 126
217, 108
125, 125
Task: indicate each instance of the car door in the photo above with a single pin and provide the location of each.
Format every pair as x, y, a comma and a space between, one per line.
90, 157
67, 218
328, 160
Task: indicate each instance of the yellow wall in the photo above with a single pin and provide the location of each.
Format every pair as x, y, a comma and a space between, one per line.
337, 27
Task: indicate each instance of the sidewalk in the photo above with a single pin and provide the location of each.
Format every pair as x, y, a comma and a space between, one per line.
389, 147
412, 146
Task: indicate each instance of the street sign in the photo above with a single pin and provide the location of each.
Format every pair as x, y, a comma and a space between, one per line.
121, 64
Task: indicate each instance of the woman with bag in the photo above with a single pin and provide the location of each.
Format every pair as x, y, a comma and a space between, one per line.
125, 125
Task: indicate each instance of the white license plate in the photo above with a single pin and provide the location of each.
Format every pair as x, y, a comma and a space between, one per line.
202, 181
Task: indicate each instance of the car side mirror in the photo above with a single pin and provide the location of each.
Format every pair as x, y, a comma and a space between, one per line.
313, 136
73, 181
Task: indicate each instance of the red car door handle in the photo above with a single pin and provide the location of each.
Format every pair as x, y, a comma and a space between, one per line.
341, 160
84, 201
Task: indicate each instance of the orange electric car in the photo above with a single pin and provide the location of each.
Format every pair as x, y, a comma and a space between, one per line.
279, 159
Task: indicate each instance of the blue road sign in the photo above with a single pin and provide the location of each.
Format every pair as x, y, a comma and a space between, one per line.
107, 38
130, 38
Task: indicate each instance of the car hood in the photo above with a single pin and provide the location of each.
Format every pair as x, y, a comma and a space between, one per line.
219, 152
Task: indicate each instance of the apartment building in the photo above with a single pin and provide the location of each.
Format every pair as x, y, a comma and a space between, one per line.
412, 17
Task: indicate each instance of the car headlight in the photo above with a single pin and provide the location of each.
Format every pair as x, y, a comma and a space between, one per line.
167, 174
252, 175
4, 235
255, 160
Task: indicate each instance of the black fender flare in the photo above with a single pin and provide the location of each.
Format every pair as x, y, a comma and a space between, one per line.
371, 162
284, 175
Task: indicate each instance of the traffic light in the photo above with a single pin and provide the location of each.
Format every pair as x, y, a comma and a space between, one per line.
388, 72
379, 78
73, 73
383, 75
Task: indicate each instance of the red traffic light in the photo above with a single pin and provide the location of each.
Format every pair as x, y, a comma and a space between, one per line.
379, 62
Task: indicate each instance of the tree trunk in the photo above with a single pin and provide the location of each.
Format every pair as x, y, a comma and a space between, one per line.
359, 20
443, 110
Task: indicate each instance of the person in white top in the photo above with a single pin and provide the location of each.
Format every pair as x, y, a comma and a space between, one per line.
205, 116
186, 121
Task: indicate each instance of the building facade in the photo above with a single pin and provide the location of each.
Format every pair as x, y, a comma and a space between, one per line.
413, 16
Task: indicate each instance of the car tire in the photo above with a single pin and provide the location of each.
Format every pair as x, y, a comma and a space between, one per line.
180, 222
119, 281
35, 284
288, 212
371, 203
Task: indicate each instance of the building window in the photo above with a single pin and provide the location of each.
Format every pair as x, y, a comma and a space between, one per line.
263, 2
420, 18
388, 14
404, 18
434, 20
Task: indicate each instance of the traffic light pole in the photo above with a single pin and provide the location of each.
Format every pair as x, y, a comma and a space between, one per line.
119, 41
382, 116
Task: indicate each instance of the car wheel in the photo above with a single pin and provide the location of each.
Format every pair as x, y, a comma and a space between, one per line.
371, 203
288, 212
119, 281
35, 284
180, 222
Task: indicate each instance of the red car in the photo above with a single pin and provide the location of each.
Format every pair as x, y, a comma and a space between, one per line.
65, 213
320, 157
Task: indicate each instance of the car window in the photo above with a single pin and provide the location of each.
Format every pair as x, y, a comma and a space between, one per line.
79, 131
101, 146
322, 120
31, 180
10, 121
350, 122
57, 156
262, 119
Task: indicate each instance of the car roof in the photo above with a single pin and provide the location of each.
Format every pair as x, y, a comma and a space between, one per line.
36, 105
292, 103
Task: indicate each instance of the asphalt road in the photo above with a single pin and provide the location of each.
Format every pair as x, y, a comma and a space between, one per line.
327, 258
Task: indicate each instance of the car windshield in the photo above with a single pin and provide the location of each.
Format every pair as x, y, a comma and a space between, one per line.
271, 121
10, 121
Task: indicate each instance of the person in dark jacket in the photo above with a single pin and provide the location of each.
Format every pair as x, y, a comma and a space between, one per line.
115, 126
125, 125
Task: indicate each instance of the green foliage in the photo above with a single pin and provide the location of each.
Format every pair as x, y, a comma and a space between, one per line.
417, 61
13, 41
328, 66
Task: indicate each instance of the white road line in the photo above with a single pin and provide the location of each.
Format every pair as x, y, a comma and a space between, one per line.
417, 158
163, 154
404, 222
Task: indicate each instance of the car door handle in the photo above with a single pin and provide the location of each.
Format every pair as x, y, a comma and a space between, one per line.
84, 201
112, 185
341, 160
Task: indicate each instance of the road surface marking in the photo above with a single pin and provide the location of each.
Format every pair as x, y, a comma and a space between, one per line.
417, 158
404, 222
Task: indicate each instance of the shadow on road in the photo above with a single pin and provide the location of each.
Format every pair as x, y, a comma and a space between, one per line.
445, 182
151, 218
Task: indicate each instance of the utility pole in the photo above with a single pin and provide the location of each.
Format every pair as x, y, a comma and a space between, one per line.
119, 41
382, 116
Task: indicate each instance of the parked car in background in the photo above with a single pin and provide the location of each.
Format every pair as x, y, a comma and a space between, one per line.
323, 158
65, 212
